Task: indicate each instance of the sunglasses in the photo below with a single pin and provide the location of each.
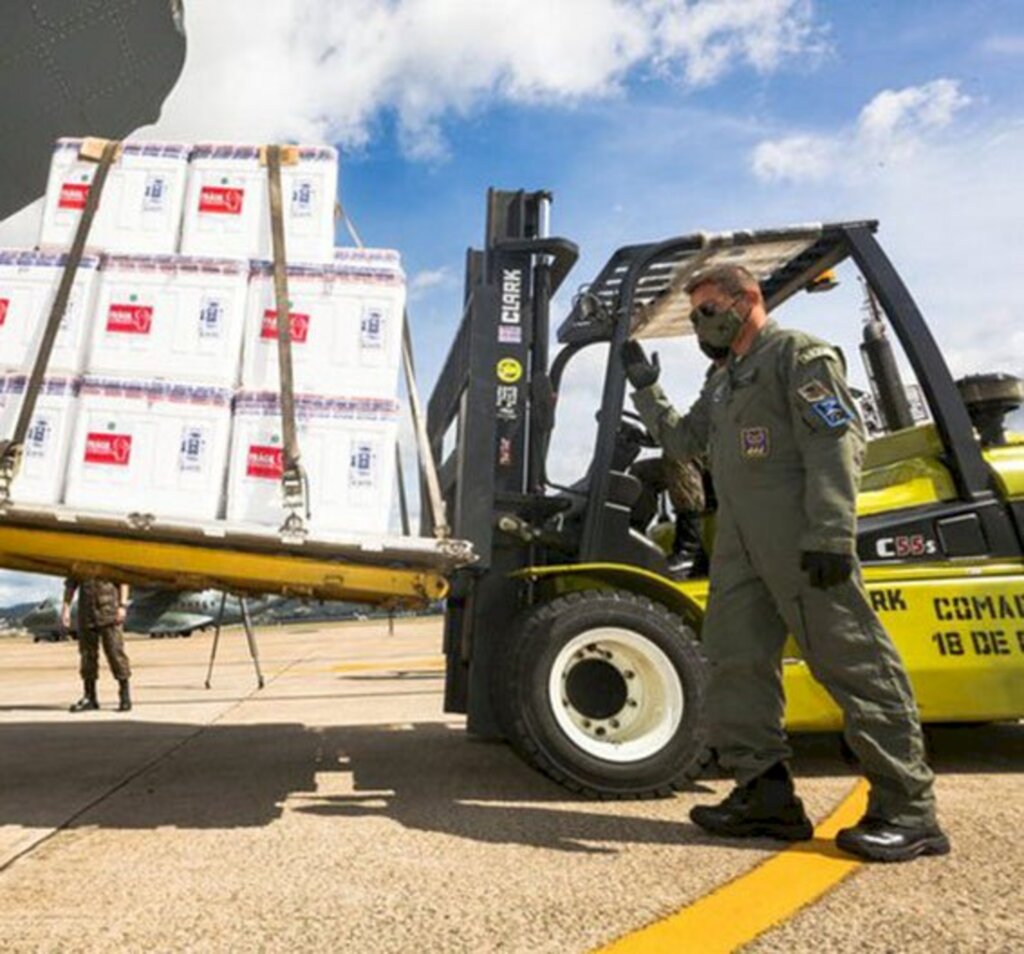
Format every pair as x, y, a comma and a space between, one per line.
709, 309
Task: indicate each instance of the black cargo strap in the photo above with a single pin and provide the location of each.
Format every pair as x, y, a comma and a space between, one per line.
294, 485
11, 450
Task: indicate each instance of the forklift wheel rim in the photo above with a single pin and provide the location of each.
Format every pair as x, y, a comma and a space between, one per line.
653, 707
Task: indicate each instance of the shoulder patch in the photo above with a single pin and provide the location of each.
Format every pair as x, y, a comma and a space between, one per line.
832, 412
814, 391
814, 352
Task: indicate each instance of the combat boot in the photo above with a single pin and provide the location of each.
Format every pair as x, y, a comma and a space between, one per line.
88, 700
766, 807
877, 840
124, 697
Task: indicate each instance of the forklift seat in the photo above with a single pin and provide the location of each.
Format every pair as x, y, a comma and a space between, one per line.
623, 489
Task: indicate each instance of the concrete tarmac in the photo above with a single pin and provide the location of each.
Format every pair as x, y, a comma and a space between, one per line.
339, 809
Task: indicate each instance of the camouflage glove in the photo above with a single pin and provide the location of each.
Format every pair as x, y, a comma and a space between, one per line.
640, 371
826, 569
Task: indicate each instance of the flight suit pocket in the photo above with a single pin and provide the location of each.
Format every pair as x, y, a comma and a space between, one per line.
833, 631
743, 395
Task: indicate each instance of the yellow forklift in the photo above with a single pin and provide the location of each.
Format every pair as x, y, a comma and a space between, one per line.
566, 632
570, 635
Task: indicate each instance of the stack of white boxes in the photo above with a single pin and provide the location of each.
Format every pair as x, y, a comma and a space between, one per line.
158, 336
227, 209
346, 326
140, 211
162, 366
28, 285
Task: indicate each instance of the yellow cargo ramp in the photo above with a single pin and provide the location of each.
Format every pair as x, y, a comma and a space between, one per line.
240, 558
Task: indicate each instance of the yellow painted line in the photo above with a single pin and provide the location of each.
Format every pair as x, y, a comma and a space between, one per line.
392, 665
755, 902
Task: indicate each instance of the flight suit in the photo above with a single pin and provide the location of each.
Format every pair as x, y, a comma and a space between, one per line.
785, 450
97, 623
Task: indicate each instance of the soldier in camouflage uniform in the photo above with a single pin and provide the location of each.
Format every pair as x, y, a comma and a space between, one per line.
101, 612
684, 484
785, 449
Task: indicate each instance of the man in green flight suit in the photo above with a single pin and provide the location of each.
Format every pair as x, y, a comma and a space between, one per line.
785, 450
102, 607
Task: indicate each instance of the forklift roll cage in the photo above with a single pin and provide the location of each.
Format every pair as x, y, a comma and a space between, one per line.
498, 388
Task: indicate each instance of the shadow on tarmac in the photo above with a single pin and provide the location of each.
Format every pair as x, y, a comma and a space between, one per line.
426, 777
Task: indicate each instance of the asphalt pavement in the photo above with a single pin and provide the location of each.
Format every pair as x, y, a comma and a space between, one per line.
338, 809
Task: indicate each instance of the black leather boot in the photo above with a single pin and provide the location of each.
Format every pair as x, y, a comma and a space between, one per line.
766, 807
124, 697
88, 701
877, 840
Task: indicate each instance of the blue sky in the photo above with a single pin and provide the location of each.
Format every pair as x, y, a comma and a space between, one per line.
646, 118
661, 156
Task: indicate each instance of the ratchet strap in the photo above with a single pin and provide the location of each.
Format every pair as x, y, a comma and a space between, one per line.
294, 485
104, 152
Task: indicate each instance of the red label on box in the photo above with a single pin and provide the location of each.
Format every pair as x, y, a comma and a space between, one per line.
103, 448
130, 319
221, 200
5, 303
265, 461
73, 195
299, 326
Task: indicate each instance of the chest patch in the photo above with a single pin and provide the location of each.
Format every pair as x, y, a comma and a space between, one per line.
832, 412
755, 442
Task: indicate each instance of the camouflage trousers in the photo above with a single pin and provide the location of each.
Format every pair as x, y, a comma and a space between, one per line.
112, 638
681, 479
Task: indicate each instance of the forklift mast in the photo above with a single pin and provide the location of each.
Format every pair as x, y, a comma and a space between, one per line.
492, 405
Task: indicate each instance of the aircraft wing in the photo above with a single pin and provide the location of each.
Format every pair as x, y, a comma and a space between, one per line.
43, 619
176, 622
69, 68
147, 607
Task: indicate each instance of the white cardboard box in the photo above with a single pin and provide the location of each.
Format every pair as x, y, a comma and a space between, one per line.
348, 453
227, 209
140, 210
150, 447
28, 285
346, 323
170, 317
40, 479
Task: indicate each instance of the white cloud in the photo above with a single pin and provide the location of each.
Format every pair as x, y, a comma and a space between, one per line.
429, 279
911, 111
26, 588
891, 128
946, 194
1011, 44
707, 39
795, 157
329, 69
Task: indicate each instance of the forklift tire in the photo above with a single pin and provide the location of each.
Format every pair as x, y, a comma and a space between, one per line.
603, 691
